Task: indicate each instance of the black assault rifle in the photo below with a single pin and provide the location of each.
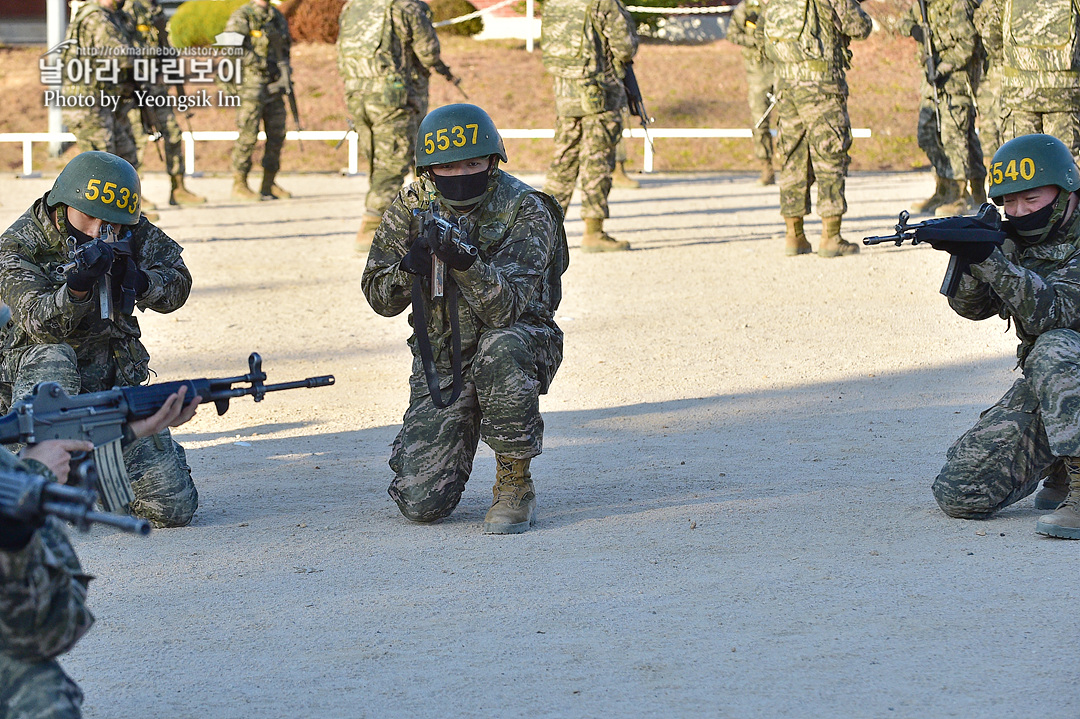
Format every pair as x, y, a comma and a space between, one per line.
30, 497
636, 102
983, 227
290, 92
99, 417
928, 59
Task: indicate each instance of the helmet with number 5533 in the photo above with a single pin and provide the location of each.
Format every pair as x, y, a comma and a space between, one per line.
1030, 161
101, 185
456, 132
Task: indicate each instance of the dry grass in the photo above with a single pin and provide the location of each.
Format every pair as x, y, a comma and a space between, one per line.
684, 86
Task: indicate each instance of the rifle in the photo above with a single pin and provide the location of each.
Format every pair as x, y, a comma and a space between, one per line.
352, 128
773, 99
30, 497
441, 231
290, 92
931, 65
121, 247
444, 70
983, 227
99, 417
635, 102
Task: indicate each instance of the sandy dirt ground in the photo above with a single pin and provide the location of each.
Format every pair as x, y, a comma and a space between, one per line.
735, 511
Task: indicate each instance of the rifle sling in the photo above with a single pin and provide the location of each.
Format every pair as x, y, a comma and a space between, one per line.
427, 358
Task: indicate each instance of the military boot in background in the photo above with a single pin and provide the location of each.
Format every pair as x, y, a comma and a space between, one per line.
768, 174
596, 240
514, 507
959, 205
1065, 521
240, 189
940, 197
795, 242
272, 191
832, 244
364, 236
1055, 487
619, 178
180, 195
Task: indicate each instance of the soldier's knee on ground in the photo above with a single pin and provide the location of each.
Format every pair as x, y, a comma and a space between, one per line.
960, 504
47, 363
161, 481
418, 503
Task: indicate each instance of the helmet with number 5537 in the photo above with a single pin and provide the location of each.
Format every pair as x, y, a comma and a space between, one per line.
101, 185
456, 132
1032, 161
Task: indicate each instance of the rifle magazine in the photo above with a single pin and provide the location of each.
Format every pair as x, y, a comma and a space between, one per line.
112, 478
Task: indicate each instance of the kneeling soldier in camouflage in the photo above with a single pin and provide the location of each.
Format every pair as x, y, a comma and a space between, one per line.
1034, 430
72, 321
491, 324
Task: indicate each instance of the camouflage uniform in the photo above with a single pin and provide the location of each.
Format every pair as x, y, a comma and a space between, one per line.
98, 127
813, 127
747, 31
1001, 459
1034, 101
266, 43
585, 47
510, 344
954, 151
42, 614
386, 52
988, 92
53, 337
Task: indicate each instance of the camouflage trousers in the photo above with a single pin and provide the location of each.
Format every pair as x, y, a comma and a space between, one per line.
433, 453
813, 138
620, 146
585, 146
37, 690
157, 466
760, 82
954, 152
105, 130
171, 137
259, 106
1001, 459
386, 135
1065, 126
989, 115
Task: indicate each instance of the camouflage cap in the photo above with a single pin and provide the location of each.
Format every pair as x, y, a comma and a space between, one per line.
101, 185
1032, 161
457, 132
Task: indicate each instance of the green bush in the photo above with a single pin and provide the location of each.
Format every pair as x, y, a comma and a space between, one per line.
449, 9
197, 22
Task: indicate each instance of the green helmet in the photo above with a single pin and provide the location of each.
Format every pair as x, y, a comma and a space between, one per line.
100, 185
456, 132
1032, 161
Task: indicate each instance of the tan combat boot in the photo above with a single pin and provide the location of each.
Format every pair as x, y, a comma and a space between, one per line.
272, 191
978, 192
180, 195
961, 203
368, 224
768, 174
1065, 522
619, 178
596, 240
795, 242
936, 200
1055, 487
832, 244
514, 508
240, 189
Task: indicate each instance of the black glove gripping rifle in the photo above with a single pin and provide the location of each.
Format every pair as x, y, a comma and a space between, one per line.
28, 497
944, 231
100, 417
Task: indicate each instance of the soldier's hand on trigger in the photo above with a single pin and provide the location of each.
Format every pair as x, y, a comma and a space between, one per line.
56, 454
97, 258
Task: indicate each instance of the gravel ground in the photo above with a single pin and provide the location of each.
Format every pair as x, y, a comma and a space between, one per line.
735, 517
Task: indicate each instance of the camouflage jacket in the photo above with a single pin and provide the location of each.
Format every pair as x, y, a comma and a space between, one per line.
829, 26
746, 30
1000, 38
108, 31
386, 40
42, 593
1036, 287
954, 39
586, 45
266, 42
43, 312
516, 280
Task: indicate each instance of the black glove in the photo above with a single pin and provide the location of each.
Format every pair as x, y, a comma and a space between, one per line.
971, 253
16, 533
418, 259
132, 276
95, 259
453, 257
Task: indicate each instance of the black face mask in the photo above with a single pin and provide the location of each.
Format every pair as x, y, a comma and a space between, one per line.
1038, 226
461, 188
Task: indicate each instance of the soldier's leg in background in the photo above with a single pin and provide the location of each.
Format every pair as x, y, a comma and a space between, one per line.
957, 136
173, 141
89, 127
930, 139
138, 133
45, 363
829, 133
1065, 126
998, 461
619, 178
161, 481
1019, 121
759, 82
793, 147
599, 135
123, 137
37, 690
563, 172
392, 146
247, 122
433, 453
273, 117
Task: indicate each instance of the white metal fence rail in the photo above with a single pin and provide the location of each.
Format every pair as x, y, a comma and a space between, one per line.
27, 139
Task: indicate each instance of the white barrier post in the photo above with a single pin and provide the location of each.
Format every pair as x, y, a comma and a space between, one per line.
354, 153
28, 158
529, 15
189, 153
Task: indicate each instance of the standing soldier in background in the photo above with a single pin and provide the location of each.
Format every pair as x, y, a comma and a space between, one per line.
586, 45
619, 178
386, 50
946, 125
147, 22
265, 75
988, 94
1040, 66
747, 30
808, 42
